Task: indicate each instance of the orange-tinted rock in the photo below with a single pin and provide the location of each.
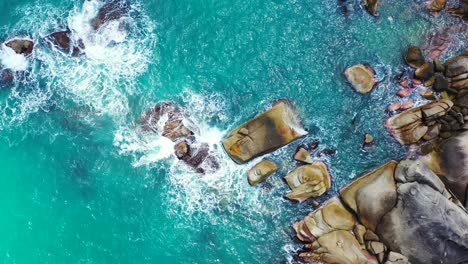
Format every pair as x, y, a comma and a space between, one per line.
361, 77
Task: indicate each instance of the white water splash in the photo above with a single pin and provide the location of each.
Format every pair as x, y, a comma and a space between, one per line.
9, 59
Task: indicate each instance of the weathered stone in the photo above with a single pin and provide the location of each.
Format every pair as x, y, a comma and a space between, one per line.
368, 139
21, 46
414, 57
427, 94
438, 66
182, 149
261, 171
372, 195
267, 132
394, 107
396, 258
110, 11
308, 181
361, 77
424, 224
407, 104
375, 247
425, 71
432, 133
371, 6
457, 66
405, 92
370, 236
303, 155
460, 11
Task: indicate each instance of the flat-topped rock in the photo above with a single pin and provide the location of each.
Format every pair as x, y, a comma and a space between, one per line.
361, 77
308, 181
261, 171
265, 133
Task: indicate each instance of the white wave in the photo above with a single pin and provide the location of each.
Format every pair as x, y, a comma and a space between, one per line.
102, 78
9, 59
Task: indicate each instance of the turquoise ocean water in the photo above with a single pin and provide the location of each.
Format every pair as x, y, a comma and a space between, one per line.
80, 183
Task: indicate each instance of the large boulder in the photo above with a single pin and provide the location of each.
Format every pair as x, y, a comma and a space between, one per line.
361, 77
62, 40
372, 195
267, 132
307, 181
424, 224
112, 10
21, 46
412, 125
454, 164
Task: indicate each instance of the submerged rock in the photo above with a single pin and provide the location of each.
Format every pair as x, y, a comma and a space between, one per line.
460, 11
62, 40
112, 10
6, 77
267, 132
308, 181
261, 171
361, 77
21, 46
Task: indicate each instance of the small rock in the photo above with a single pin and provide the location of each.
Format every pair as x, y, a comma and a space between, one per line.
407, 104
436, 5
361, 78
440, 83
414, 57
368, 140
313, 144
21, 46
425, 71
404, 83
375, 247
303, 155
371, 6
416, 82
327, 152
370, 236
394, 107
181, 149
261, 171
405, 92
427, 94
359, 231
396, 258
438, 66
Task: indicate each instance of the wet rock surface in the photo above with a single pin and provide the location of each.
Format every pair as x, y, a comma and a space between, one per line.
62, 40
110, 11
21, 46
168, 120
261, 171
267, 132
361, 77
308, 181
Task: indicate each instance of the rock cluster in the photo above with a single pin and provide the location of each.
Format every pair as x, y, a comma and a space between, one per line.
404, 215
443, 118
63, 40
167, 120
267, 132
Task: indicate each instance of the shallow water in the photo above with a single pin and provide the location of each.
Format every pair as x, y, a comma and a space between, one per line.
81, 183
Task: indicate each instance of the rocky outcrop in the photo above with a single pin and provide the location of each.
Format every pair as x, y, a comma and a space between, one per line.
361, 77
411, 212
328, 232
267, 132
453, 157
21, 46
261, 171
412, 125
113, 10
167, 120
308, 181
62, 40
